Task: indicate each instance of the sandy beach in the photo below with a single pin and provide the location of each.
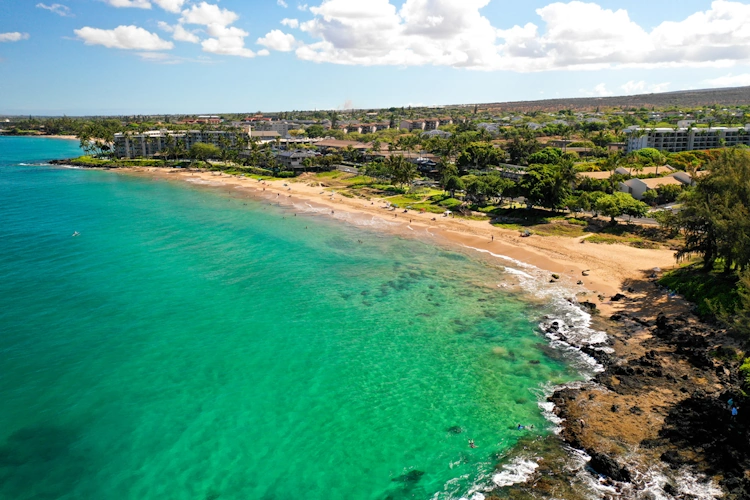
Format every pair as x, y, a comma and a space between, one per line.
607, 267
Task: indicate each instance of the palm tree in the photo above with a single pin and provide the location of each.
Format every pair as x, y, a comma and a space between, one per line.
169, 144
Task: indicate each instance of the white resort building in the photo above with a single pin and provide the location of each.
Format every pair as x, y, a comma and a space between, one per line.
674, 140
153, 142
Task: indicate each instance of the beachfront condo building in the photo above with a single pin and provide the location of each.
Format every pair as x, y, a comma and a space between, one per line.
674, 140
154, 142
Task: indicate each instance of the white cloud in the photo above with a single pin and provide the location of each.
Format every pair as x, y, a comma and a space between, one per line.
640, 87
570, 36
123, 37
601, 90
226, 40
277, 40
14, 36
730, 80
282, 3
170, 5
292, 23
263, 52
60, 10
183, 35
633, 87
173, 6
598, 91
138, 4
179, 32
207, 14
303, 7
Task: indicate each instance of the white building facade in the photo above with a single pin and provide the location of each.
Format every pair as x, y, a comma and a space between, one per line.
674, 140
151, 143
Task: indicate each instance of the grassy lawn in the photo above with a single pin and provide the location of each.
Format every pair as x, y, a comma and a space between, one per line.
633, 241
633, 235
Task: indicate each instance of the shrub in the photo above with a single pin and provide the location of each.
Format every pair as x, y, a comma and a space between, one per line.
745, 374
450, 203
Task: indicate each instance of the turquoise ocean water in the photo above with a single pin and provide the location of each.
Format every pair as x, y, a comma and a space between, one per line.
190, 344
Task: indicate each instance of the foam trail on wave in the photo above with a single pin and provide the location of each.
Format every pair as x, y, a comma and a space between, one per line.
569, 328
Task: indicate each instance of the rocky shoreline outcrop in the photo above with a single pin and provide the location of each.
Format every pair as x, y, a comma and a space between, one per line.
662, 404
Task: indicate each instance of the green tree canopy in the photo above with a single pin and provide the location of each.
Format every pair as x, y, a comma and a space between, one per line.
546, 156
546, 185
619, 204
203, 151
715, 215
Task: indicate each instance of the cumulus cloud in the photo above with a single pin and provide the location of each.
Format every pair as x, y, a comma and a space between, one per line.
207, 14
574, 35
292, 23
123, 37
639, 87
226, 40
598, 91
179, 32
277, 40
59, 9
730, 80
138, 4
170, 5
282, 3
13, 36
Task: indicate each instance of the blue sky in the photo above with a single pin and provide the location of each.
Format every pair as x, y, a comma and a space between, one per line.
193, 56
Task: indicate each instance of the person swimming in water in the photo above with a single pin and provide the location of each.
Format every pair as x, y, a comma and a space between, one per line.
471, 444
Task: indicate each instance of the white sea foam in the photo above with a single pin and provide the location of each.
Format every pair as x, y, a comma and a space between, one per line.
649, 485
516, 471
573, 325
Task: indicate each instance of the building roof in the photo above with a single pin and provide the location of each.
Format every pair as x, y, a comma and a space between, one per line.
264, 134
296, 154
664, 169
338, 144
596, 175
656, 182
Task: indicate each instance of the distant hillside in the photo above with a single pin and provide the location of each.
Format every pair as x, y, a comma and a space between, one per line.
684, 99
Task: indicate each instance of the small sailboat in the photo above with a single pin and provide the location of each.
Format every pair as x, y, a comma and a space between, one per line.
76, 233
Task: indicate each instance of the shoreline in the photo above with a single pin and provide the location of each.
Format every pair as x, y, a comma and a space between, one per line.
647, 396
607, 266
41, 136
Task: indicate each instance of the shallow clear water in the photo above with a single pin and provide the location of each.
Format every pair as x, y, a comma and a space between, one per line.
191, 344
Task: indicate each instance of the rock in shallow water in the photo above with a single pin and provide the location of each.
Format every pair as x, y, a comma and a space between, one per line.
410, 477
609, 467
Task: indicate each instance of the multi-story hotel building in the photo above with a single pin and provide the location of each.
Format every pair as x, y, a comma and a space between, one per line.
674, 140
153, 142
